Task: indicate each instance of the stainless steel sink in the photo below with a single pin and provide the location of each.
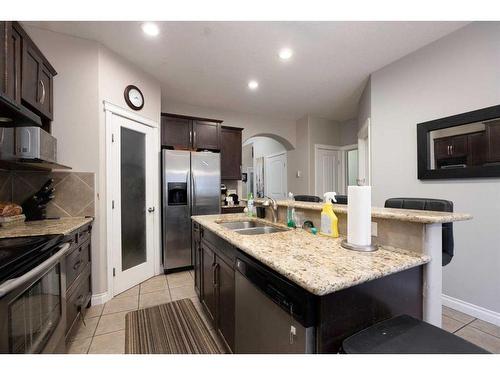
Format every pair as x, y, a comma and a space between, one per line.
260, 230
236, 225
249, 228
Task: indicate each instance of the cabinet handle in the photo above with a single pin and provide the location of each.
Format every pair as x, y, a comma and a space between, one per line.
77, 265
42, 99
190, 137
194, 138
451, 150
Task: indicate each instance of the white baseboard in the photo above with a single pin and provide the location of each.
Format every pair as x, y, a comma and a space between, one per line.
99, 299
473, 310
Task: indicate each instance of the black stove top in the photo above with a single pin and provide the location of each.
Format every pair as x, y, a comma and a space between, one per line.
17, 254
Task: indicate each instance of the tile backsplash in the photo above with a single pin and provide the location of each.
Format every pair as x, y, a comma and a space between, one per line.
74, 191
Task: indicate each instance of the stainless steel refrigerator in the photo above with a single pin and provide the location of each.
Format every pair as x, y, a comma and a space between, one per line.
190, 186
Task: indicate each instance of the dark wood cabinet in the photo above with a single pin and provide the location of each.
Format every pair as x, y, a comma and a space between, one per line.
477, 149
208, 276
225, 301
206, 135
493, 137
231, 153
218, 285
197, 256
26, 75
10, 61
176, 132
190, 133
78, 276
37, 78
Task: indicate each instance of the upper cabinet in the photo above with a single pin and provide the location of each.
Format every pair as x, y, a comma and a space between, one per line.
26, 75
190, 133
231, 147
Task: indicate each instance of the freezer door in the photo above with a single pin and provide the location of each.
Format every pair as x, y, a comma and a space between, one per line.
205, 182
176, 230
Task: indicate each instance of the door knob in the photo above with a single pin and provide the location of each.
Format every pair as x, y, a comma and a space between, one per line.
151, 209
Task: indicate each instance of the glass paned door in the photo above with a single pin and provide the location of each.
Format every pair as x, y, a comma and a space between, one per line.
133, 212
133, 197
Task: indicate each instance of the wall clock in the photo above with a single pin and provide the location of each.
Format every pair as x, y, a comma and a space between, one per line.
134, 97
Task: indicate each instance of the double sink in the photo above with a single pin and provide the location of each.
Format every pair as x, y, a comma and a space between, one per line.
250, 228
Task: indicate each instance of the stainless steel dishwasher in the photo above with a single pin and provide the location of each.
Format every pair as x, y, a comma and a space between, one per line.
272, 314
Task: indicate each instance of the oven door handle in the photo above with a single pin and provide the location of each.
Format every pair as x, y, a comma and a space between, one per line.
9, 285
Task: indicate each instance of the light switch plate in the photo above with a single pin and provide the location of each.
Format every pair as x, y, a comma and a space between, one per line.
374, 229
298, 174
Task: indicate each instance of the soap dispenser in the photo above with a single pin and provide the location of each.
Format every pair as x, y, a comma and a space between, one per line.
329, 221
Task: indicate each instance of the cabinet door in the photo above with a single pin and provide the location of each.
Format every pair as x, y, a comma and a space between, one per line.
459, 145
230, 154
225, 301
196, 254
493, 137
10, 61
206, 135
31, 67
442, 148
45, 81
176, 132
477, 149
208, 283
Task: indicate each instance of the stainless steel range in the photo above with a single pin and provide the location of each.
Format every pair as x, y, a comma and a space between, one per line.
32, 294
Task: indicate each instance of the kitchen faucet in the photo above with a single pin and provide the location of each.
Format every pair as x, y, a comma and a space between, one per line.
273, 205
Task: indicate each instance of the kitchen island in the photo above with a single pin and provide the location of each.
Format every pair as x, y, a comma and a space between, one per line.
344, 291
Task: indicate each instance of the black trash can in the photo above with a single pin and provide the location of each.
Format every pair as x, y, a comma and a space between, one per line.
406, 335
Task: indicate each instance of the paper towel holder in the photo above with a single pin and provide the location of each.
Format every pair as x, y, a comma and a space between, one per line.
366, 248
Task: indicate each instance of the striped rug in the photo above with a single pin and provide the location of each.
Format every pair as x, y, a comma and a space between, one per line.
172, 328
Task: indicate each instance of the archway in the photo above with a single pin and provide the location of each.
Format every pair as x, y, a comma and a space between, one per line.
264, 166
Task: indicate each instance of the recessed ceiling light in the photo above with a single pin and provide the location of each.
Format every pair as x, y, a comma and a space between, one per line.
150, 28
285, 54
253, 85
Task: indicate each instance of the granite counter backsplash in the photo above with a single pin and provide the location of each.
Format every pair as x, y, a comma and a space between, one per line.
63, 226
74, 191
317, 263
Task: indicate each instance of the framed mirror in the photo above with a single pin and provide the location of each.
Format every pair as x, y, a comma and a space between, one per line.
461, 146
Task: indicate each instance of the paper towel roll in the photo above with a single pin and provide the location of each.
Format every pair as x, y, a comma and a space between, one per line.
359, 215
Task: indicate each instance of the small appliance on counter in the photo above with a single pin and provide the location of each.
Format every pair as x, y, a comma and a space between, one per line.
35, 207
223, 194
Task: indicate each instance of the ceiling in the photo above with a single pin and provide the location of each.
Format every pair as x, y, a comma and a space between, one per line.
209, 64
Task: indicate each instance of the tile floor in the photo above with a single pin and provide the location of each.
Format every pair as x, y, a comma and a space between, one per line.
104, 329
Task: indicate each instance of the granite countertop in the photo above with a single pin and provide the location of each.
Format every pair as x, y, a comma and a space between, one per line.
416, 216
64, 225
241, 205
317, 263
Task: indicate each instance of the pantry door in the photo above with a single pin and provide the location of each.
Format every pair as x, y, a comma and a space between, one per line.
328, 170
132, 203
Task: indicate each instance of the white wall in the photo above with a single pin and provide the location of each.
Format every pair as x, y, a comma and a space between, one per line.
298, 159
89, 73
456, 74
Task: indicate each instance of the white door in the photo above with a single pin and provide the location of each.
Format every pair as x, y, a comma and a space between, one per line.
364, 154
275, 176
328, 170
133, 207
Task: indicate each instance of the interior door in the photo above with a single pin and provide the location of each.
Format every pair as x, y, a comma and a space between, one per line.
328, 171
275, 176
133, 203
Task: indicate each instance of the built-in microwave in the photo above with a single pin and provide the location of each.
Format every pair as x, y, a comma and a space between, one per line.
27, 143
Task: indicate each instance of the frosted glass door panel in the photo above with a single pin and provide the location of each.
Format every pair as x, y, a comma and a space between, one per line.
133, 198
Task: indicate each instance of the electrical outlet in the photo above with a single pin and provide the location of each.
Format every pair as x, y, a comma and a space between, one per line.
374, 229
299, 173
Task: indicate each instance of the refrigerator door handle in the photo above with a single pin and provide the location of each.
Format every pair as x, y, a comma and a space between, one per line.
193, 195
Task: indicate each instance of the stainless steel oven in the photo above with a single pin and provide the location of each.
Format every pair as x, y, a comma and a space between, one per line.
33, 307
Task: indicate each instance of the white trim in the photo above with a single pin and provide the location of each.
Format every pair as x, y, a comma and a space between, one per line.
113, 108
340, 173
479, 312
364, 145
276, 154
100, 299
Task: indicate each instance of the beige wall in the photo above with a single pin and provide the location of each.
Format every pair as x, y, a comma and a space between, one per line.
89, 73
298, 159
453, 75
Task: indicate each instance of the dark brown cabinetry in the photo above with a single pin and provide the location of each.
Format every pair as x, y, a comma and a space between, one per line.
78, 275
464, 149
189, 133
196, 256
26, 75
217, 279
231, 149
493, 137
